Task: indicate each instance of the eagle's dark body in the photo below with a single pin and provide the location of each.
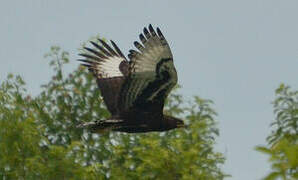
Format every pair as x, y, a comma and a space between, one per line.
134, 91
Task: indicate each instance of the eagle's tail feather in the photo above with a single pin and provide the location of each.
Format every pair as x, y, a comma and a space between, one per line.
102, 126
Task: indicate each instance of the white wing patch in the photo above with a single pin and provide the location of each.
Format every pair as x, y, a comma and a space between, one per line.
109, 67
105, 61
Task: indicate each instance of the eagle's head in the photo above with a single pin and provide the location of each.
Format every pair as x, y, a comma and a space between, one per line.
172, 122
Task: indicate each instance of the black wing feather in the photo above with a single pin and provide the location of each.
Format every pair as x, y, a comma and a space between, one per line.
110, 70
152, 75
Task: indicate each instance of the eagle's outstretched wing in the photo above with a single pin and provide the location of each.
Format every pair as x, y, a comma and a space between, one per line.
152, 74
110, 67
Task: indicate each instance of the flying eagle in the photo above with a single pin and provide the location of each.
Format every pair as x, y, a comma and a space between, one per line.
134, 91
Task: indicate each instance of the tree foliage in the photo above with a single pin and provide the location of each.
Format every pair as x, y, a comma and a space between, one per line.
283, 141
39, 138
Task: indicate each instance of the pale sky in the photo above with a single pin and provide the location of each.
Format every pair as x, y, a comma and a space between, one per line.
233, 52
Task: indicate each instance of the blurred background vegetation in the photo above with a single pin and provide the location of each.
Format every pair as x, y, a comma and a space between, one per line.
39, 138
282, 145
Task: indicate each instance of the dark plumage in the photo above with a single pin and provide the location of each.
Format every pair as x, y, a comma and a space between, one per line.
134, 91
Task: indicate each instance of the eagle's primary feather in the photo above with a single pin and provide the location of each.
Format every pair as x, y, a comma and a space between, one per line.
134, 91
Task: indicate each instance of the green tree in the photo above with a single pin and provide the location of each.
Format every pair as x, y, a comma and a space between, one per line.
24, 152
283, 141
39, 137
